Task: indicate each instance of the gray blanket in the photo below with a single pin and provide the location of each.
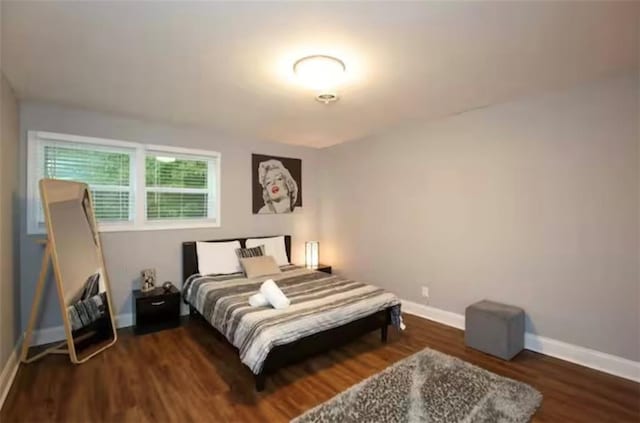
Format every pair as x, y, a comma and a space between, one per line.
319, 301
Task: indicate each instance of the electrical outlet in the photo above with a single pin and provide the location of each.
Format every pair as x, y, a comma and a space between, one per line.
425, 291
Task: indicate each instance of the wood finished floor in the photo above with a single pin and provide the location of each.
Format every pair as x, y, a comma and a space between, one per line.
188, 374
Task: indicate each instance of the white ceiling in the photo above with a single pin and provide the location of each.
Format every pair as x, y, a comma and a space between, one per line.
228, 65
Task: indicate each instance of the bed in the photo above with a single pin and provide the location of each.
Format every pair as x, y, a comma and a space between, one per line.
326, 311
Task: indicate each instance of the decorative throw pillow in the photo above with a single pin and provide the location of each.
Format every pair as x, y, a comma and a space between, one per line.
250, 252
259, 266
273, 246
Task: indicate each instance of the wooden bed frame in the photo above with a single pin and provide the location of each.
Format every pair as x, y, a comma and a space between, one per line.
283, 355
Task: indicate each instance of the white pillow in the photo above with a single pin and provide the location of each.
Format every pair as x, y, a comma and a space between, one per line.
272, 247
218, 258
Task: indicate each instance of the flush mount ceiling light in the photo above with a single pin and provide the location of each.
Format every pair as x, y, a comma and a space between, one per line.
321, 73
327, 98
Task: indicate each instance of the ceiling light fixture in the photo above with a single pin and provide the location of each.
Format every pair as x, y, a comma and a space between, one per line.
327, 98
321, 73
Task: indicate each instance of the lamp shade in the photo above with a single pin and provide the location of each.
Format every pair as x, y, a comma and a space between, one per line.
320, 72
311, 253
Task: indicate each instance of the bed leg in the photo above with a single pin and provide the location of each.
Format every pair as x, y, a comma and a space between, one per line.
192, 311
260, 381
383, 333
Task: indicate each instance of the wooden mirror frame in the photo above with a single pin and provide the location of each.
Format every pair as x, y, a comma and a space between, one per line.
51, 255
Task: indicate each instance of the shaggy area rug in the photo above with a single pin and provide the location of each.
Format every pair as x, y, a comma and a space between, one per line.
430, 387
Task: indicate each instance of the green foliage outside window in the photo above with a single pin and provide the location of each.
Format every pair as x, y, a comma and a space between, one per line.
91, 167
108, 175
162, 205
176, 174
102, 170
185, 174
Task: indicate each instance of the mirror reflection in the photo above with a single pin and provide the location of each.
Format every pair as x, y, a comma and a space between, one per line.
78, 266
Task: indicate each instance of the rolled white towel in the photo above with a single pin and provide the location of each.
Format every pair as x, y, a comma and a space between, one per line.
258, 300
274, 295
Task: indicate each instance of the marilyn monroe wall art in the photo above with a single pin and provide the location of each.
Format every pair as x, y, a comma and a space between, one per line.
277, 184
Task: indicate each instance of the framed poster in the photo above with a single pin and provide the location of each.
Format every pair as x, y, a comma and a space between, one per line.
277, 184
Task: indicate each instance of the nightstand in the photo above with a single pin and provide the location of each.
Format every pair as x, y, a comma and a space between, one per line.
156, 310
322, 268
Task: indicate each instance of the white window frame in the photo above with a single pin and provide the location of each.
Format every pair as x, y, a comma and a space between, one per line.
139, 220
213, 181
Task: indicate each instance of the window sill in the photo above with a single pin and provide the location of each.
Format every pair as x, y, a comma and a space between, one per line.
149, 226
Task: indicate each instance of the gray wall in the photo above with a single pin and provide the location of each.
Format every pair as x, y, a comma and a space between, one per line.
534, 203
9, 304
126, 253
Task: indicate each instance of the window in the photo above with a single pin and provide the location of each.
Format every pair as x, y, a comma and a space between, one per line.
177, 187
107, 171
134, 186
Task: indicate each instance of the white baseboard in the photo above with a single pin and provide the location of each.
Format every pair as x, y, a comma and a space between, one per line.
437, 315
124, 320
587, 357
56, 333
9, 372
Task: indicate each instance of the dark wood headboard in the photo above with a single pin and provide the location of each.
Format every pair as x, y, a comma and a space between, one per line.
190, 257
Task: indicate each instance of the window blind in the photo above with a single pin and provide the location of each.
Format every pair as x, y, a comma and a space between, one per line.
179, 187
134, 186
107, 171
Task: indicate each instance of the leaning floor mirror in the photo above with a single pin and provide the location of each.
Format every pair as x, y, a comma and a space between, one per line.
74, 250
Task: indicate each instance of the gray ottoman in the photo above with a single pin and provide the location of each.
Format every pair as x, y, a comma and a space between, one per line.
495, 328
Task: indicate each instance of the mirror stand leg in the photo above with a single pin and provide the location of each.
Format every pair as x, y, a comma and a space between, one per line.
35, 308
56, 349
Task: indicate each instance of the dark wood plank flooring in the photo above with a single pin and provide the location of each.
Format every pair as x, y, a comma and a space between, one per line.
188, 374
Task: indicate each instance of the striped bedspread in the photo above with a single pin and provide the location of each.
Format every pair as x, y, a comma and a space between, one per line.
319, 301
